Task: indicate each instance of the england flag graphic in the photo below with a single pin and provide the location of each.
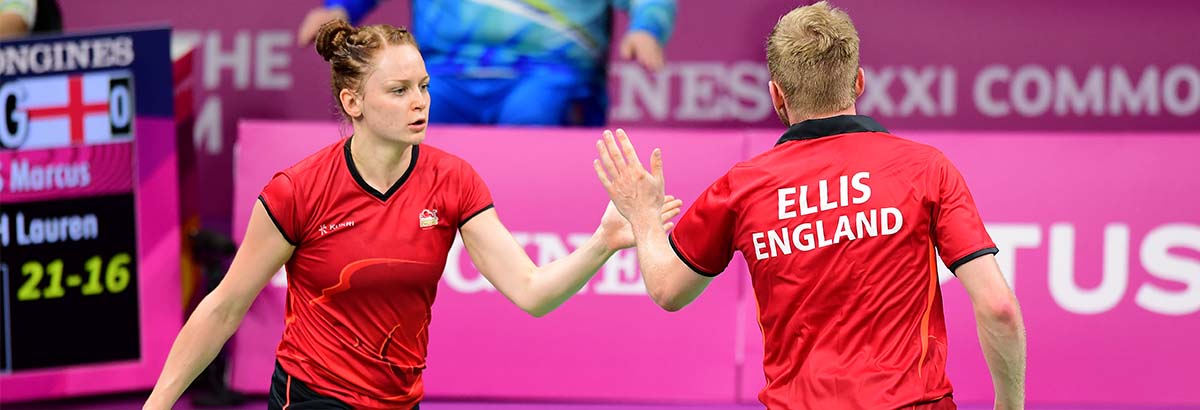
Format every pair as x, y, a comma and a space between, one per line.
67, 110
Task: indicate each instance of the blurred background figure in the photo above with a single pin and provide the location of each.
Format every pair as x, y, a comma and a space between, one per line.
23, 17
520, 62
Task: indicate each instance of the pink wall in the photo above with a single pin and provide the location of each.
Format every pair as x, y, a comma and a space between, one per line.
925, 59
1119, 344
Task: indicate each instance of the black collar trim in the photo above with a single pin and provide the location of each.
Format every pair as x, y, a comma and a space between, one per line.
416, 151
824, 127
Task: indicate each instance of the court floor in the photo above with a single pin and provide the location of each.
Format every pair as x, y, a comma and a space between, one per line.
133, 402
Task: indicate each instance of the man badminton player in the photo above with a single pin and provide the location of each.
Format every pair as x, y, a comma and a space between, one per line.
840, 224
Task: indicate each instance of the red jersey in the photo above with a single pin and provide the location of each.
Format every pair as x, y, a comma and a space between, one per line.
839, 223
365, 269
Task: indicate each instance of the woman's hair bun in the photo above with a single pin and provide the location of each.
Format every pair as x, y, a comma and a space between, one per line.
332, 37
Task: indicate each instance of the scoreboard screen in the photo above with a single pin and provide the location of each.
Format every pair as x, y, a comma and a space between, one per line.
89, 239
67, 224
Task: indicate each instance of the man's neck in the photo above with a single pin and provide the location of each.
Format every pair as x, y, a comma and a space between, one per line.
798, 119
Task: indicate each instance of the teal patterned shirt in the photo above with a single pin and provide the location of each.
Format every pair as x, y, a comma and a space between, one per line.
511, 37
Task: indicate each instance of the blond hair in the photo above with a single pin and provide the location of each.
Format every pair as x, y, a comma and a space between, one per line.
351, 52
812, 54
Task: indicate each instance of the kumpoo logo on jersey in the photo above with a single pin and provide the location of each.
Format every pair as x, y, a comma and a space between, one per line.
794, 202
326, 229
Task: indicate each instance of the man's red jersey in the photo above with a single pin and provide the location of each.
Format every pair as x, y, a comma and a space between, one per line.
365, 269
839, 223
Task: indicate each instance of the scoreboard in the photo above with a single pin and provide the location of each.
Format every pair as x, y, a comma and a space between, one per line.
89, 239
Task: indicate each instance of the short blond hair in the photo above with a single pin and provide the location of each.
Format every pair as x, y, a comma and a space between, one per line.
812, 54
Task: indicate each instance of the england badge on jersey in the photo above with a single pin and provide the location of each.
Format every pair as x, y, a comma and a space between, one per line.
428, 218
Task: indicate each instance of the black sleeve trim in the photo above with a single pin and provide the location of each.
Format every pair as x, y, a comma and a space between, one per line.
468, 218
276, 222
986, 251
687, 262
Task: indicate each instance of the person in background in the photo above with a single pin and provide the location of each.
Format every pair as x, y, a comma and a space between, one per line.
19, 18
520, 62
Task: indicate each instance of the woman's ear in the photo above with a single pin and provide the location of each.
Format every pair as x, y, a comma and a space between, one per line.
350, 103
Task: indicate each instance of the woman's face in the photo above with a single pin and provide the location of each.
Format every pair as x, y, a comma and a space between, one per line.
394, 101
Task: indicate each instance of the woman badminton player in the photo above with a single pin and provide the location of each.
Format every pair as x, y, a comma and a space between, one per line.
364, 227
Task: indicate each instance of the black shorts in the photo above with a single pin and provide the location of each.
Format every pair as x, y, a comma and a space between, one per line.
290, 393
